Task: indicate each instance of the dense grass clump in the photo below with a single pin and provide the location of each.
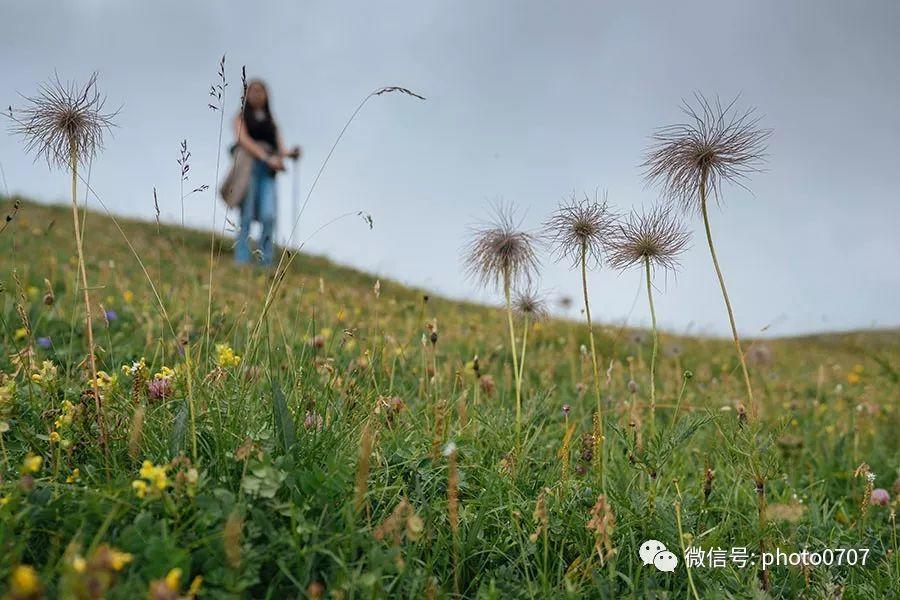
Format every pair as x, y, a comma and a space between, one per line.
359, 439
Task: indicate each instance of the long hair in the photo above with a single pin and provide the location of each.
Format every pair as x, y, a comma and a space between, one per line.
266, 107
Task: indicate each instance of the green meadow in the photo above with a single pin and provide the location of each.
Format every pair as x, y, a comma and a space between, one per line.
314, 432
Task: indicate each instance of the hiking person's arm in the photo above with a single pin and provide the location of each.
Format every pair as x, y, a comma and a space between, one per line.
253, 147
282, 151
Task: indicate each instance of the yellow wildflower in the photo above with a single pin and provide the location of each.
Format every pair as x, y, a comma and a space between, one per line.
105, 380
65, 419
173, 579
153, 479
195, 586
154, 474
140, 488
118, 560
79, 565
160, 481
20, 334
54, 437
164, 373
75, 476
138, 367
225, 356
24, 582
47, 373
32, 463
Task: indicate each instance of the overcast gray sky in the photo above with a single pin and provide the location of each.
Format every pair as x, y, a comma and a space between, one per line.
528, 102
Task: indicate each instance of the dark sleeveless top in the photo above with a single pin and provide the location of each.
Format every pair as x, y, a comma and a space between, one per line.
261, 130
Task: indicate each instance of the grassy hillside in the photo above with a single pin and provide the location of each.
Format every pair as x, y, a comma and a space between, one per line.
344, 443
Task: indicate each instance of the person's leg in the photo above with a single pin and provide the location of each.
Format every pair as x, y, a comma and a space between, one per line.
242, 247
268, 209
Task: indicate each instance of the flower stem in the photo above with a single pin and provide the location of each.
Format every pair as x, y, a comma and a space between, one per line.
524, 345
758, 478
687, 566
515, 357
89, 321
190, 400
655, 349
761, 512
598, 441
734, 333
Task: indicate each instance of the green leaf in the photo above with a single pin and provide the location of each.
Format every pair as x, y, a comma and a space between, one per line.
284, 421
176, 440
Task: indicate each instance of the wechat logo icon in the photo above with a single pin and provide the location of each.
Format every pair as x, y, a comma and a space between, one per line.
654, 552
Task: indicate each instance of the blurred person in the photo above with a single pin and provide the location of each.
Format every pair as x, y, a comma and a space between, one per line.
258, 155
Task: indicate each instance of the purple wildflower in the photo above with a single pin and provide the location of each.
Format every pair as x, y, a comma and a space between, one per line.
313, 421
160, 389
880, 497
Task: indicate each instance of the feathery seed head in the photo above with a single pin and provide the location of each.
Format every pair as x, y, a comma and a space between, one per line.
580, 226
717, 144
531, 304
62, 120
500, 253
656, 235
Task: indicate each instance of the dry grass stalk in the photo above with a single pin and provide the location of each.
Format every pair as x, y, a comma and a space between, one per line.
452, 488
362, 466
540, 516
453, 508
440, 429
134, 435
564, 453
231, 539
602, 524
462, 409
